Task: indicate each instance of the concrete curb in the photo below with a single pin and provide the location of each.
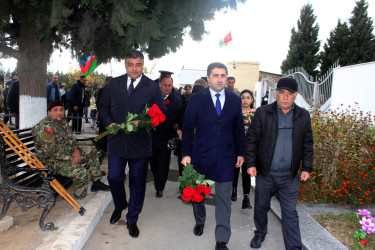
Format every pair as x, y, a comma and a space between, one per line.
314, 236
76, 233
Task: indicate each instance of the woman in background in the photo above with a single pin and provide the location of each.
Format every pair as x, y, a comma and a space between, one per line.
248, 112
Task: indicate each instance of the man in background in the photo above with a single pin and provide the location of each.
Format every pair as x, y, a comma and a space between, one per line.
230, 85
76, 103
161, 154
53, 90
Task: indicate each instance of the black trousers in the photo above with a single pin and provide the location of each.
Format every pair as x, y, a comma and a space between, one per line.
246, 179
77, 120
137, 184
159, 162
288, 189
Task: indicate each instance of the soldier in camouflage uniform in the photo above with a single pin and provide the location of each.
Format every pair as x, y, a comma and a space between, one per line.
56, 148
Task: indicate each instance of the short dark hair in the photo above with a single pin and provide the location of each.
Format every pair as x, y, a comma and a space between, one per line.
231, 78
252, 96
81, 77
187, 86
14, 73
216, 65
134, 54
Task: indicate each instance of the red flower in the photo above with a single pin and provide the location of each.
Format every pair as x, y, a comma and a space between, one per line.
200, 189
162, 118
155, 121
364, 242
197, 198
207, 190
186, 198
154, 111
189, 191
167, 102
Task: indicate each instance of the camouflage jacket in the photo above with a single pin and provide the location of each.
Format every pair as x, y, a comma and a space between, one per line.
53, 140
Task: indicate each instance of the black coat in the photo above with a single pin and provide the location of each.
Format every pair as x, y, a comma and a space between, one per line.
165, 131
76, 95
13, 96
114, 107
262, 135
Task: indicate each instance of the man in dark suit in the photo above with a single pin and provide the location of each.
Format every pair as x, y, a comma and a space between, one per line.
215, 114
161, 155
129, 93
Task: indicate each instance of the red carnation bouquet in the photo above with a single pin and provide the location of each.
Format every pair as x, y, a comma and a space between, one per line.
149, 118
193, 186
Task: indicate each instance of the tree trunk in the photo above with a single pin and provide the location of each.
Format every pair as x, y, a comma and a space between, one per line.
32, 70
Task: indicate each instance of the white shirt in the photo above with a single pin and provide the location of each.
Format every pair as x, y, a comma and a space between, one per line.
135, 83
221, 98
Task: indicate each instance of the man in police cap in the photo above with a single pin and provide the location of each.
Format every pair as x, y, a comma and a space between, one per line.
57, 149
279, 139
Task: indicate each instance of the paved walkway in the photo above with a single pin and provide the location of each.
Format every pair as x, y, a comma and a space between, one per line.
168, 223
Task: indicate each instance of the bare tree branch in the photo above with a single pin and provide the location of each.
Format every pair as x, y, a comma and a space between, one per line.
8, 51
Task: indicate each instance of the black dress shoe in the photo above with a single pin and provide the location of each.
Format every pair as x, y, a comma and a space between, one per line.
133, 229
233, 197
246, 202
99, 186
116, 215
221, 246
256, 242
159, 194
198, 229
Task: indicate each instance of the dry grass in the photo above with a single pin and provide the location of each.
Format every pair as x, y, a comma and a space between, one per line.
343, 226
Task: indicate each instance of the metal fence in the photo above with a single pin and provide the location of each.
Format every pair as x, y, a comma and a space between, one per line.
316, 92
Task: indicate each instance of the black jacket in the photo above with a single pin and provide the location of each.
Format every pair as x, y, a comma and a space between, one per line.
114, 106
165, 131
12, 99
76, 92
262, 135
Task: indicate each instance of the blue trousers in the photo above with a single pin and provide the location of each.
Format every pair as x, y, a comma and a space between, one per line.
288, 189
137, 184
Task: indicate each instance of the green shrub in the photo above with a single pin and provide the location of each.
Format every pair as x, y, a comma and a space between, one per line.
344, 151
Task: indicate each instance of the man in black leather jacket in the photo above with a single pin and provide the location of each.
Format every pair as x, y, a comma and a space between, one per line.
278, 140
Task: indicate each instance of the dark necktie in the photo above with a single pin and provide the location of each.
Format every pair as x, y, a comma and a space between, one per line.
218, 105
131, 87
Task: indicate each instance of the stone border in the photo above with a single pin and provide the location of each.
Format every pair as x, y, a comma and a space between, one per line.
78, 231
314, 236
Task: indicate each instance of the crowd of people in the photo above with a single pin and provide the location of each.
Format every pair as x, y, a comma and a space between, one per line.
209, 124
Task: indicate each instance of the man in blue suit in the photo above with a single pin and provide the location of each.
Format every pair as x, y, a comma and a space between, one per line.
218, 147
129, 93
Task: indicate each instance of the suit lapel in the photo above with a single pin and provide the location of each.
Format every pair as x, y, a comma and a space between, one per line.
227, 101
208, 100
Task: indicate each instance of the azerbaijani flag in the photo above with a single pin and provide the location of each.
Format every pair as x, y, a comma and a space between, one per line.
88, 65
226, 40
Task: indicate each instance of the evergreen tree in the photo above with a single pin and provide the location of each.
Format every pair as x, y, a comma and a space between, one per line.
336, 47
304, 45
31, 29
362, 41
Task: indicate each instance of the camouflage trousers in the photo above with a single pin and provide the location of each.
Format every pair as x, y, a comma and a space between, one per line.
77, 172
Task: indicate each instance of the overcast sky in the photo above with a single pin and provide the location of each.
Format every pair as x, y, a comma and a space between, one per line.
261, 32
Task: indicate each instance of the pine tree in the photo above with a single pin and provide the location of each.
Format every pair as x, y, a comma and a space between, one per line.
304, 45
362, 41
336, 48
